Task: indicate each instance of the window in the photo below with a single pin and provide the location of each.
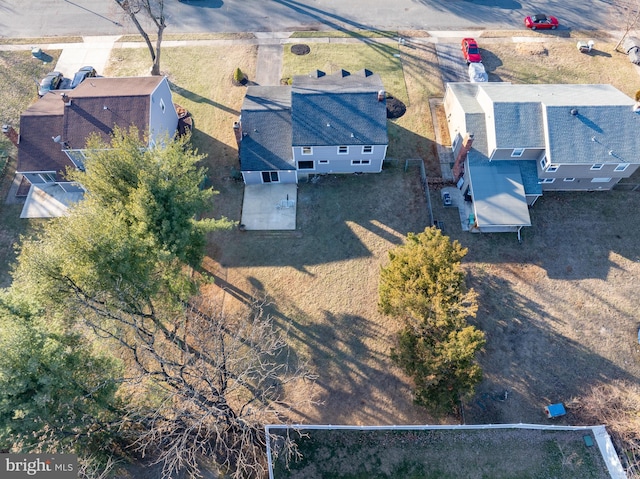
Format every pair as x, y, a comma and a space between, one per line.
360, 162
597, 166
323, 162
367, 149
307, 150
600, 180
270, 177
305, 165
543, 162
162, 107
547, 180
77, 158
343, 150
552, 168
569, 180
47, 177
517, 152
456, 140
621, 167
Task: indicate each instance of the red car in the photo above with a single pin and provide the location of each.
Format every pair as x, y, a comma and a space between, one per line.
470, 51
541, 22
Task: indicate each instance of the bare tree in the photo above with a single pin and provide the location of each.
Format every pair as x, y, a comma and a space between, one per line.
138, 11
626, 13
216, 379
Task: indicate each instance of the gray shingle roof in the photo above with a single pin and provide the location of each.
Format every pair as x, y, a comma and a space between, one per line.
518, 125
596, 134
338, 109
266, 129
601, 112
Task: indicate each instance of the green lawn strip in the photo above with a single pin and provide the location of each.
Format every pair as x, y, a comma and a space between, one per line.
38, 41
380, 58
442, 454
189, 36
345, 34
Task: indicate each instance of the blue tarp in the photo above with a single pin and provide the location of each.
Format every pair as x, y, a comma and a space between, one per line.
555, 410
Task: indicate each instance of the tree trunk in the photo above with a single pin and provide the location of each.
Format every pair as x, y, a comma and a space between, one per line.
155, 69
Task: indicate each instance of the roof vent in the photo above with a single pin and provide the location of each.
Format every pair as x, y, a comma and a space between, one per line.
381, 95
574, 111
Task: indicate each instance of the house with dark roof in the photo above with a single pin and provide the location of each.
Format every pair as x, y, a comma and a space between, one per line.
320, 124
514, 142
54, 130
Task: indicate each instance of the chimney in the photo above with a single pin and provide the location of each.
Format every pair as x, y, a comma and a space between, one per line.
381, 95
11, 133
458, 165
237, 131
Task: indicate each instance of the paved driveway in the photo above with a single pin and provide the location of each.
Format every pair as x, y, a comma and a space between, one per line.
452, 66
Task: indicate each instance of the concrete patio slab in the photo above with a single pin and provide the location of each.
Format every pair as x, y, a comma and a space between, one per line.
49, 200
269, 207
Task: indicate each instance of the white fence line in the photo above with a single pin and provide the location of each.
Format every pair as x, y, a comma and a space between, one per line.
608, 452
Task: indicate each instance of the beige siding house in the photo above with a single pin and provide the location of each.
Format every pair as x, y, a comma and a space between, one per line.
528, 139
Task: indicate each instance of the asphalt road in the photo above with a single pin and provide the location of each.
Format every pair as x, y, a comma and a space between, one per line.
34, 18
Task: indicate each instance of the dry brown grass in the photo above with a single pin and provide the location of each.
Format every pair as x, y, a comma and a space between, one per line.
558, 62
558, 309
615, 404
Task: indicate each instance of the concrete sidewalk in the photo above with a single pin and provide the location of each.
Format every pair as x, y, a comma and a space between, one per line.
93, 51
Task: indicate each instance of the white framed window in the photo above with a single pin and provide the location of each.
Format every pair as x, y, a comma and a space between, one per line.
307, 150
600, 180
547, 180
621, 167
596, 166
552, 168
569, 180
162, 107
323, 162
367, 149
270, 177
360, 162
306, 165
543, 162
517, 152
343, 150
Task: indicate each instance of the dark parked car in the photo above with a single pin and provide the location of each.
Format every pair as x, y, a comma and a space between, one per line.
541, 22
81, 75
51, 82
470, 50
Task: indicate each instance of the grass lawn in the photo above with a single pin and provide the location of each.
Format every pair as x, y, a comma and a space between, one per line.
559, 62
443, 454
559, 309
19, 73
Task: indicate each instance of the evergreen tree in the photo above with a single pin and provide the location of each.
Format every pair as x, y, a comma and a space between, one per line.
424, 284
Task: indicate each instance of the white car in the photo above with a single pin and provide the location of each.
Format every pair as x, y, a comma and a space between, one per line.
477, 73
